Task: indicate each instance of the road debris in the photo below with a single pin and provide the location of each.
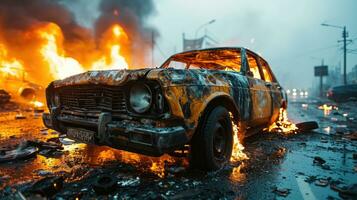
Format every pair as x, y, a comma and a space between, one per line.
284, 192
322, 182
48, 186
319, 161
20, 116
352, 136
104, 184
66, 141
346, 192
307, 126
22, 152
130, 182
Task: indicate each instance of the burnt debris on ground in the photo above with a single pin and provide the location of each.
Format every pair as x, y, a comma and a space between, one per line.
278, 165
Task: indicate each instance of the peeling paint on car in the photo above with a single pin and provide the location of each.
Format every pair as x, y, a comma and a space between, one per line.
187, 94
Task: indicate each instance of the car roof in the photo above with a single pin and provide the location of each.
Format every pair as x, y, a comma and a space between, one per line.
208, 49
218, 49
345, 86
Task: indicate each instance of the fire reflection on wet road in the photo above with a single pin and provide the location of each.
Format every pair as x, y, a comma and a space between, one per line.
278, 164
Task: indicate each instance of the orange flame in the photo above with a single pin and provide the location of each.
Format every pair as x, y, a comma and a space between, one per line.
9, 66
113, 59
53, 53
283, 124
237, 150
45, 50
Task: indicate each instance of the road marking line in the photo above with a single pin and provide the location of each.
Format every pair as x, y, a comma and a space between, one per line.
305, 189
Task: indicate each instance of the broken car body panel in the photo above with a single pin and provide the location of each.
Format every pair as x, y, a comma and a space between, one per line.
100, 101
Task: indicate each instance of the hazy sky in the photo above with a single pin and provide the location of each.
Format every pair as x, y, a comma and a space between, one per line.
286, 33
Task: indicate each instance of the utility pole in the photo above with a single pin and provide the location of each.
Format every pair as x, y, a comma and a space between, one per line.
203, 25
321, 81
344, 36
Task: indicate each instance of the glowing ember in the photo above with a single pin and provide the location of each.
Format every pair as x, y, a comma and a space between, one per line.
283, 124
106, 155
327, 109
237, 175
237, 150
37, 104
158, 169
158, 166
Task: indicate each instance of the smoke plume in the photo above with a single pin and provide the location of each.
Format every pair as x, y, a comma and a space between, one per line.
132, 15
20, 19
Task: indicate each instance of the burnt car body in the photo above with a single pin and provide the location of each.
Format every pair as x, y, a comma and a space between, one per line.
4, 97
159, 110
343, 93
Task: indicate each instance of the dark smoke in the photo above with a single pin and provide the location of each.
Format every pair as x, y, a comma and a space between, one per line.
19, 16
132, 15
22, 14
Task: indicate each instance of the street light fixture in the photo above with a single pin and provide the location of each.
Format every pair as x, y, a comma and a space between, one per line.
203, 25
344, 36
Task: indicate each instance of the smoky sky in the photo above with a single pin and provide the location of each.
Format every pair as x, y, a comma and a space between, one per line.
19, 15
287, 33
132, 16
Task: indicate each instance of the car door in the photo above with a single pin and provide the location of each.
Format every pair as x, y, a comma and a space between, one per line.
259, 91
273, 86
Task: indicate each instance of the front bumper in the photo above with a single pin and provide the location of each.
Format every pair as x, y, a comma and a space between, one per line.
124, 134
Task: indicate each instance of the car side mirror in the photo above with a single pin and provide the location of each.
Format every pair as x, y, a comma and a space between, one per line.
250, 73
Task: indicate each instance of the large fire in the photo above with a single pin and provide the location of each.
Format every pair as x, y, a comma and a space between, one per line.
41, 56
9, 66
111, 53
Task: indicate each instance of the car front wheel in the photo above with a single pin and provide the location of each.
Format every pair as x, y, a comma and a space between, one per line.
212, 144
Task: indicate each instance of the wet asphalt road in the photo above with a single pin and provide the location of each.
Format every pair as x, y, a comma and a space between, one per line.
277, 162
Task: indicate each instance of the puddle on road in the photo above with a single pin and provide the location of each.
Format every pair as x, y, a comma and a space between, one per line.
255, 176
74, 156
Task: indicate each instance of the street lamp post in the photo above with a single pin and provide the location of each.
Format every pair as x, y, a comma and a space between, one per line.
203, 25
344, 36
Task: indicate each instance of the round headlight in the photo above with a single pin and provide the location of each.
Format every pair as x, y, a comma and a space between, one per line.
140, 98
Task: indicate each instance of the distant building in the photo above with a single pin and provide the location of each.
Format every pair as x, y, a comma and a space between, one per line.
352, 76
334, 77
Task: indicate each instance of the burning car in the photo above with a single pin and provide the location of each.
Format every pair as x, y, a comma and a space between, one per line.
4, 97
187, 103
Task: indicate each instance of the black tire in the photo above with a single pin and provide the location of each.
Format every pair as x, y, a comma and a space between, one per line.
211, 146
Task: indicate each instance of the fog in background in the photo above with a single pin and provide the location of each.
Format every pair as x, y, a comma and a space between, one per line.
286, 33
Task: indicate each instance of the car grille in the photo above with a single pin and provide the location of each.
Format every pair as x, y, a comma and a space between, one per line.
93, 98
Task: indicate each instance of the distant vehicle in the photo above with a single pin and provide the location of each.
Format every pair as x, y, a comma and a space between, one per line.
343, 93
187, 103
4, 97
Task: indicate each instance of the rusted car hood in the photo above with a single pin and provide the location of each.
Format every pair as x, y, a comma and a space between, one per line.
106, 77
167, 77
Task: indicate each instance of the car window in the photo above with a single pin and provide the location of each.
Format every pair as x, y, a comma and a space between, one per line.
266, 72
176, 64
228, 60
253, 66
